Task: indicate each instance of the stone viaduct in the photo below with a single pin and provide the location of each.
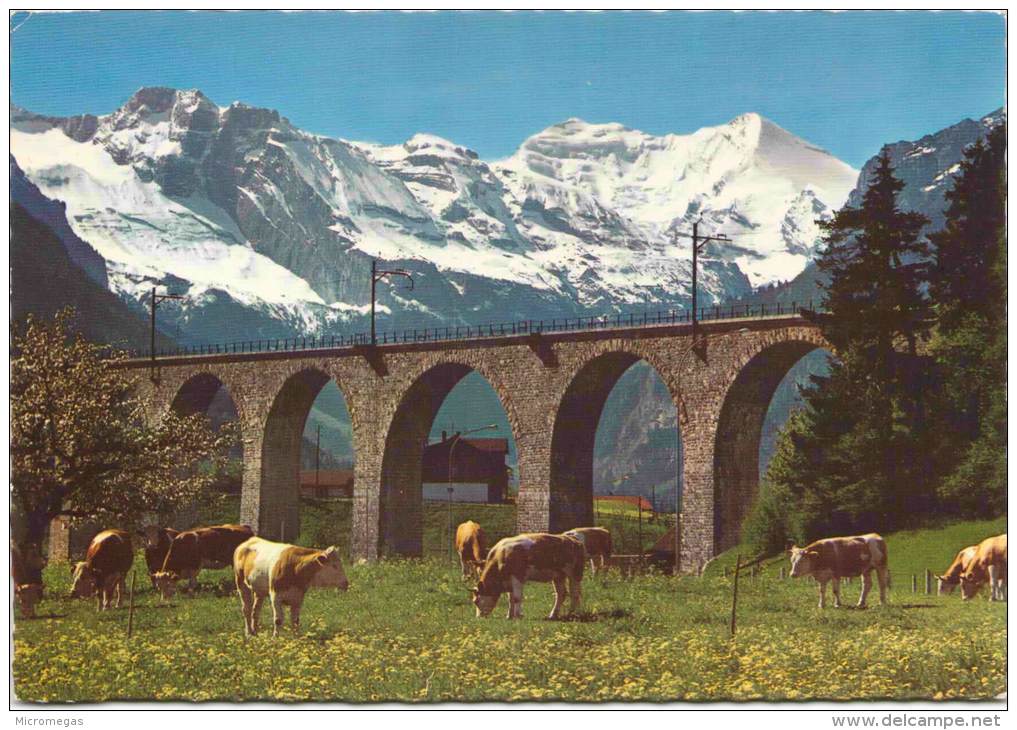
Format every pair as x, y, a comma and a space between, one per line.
552, 387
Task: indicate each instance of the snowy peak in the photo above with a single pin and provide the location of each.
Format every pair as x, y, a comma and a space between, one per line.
236, 200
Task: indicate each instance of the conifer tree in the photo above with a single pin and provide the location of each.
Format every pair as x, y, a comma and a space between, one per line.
969, 287
857, 457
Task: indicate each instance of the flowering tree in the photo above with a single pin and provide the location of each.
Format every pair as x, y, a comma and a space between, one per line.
80, 444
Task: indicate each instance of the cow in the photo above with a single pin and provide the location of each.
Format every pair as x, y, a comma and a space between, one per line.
987, 566
192, 550
107, 561
597, 543
951, 578
283, 573
26, 572
471, 544
843, 557
157, 542
530, 556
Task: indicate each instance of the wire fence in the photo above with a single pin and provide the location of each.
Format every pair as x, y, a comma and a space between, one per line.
714, 313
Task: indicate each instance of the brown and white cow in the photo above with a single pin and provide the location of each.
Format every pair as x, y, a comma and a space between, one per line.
952, 577
843, 557
107, 561
192, 550
26, 572
988, 566
596, 541
531, 556
471, 545
157, 543
283, 573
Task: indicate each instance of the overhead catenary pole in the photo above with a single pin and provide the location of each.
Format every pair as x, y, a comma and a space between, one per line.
698, 242
317, 463
156, 298
376, 276
454, 441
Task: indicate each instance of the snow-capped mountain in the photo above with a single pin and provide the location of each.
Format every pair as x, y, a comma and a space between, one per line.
260, 222
927, 166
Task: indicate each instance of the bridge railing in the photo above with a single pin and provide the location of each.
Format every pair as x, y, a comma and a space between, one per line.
499, 329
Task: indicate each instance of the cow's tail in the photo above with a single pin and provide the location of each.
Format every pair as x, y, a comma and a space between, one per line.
889, 580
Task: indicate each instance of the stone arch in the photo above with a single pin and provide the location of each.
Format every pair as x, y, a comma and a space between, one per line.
400, 499
277, 501
575, 428
754, 374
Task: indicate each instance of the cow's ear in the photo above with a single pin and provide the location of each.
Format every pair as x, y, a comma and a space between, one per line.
813, 553
322, 558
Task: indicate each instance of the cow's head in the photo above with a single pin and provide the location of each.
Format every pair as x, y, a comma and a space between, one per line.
802, 561
484, 603
945, 585
970, 584
28, 595
83, 582
330, 573
166, 583
150, 534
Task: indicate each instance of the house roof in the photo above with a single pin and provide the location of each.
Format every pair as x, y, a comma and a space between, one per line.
634, 500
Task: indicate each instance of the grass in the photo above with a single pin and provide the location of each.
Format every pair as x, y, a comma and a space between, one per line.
329, 522
405, 631
910, 551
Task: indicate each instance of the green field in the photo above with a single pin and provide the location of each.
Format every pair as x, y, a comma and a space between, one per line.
329, 522
405, 631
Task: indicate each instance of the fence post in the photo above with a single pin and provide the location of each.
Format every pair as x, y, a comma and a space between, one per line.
914, 583
781, 574
928, 581
130, 608
734, 595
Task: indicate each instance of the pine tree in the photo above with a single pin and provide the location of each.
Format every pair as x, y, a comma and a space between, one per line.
860, 447
969, 287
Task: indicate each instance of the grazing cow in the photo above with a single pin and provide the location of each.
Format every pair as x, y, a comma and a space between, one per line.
952, 577
26, 572
192, 550
597, 543
988, 566
157, 543
843, 557
530, 556
109, 558
471, 544
283, 573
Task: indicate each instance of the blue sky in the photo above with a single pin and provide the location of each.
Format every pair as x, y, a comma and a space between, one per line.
847, 82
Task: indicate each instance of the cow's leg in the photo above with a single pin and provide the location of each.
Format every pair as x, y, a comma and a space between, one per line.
883, 577
192, 583
516, 599
593, 565
559, 595
295, 614
822, 593
463, 567
992, 583
575, 592
866, 587
259, 599
836, 592
278, 612
121, 589
246, 604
